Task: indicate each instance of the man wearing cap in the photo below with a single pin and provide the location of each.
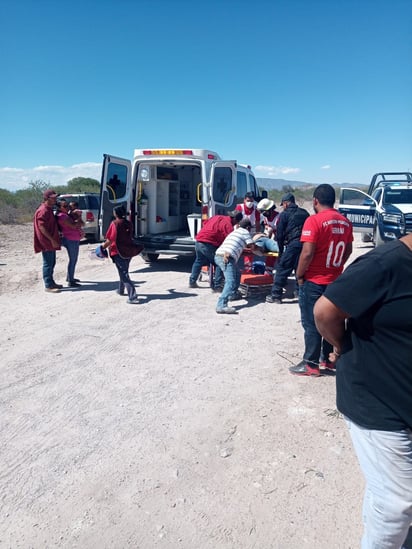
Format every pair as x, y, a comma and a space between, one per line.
208, 240
47, 239
288, 231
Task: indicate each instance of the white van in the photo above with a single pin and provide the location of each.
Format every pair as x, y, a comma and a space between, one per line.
169, 192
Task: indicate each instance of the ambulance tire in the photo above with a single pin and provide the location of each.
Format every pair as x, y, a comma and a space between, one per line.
149, 258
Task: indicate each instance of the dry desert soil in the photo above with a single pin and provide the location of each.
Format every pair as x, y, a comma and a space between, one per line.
162, 424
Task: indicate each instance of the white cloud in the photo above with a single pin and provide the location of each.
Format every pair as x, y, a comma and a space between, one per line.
325, 167
274, 171
14, 179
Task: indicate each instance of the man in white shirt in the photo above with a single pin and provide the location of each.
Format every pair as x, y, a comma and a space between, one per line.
227, 257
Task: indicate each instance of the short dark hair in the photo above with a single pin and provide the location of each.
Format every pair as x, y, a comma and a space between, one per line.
325, 194
245, 223
236, 215
250, 195
120, 212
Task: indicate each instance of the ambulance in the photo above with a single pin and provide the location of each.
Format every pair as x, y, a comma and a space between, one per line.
169, 193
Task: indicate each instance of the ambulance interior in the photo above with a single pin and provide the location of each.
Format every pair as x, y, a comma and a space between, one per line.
172, 201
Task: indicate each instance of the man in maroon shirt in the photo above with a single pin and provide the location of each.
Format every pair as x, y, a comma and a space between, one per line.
208, 240
47, 239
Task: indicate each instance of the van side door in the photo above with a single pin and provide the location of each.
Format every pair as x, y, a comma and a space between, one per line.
115, 189
223, 187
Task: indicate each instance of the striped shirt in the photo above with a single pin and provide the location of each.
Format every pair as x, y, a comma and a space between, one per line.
235, 243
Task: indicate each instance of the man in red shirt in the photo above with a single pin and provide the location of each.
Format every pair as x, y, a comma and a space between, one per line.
208, 240
47, 239
327, 243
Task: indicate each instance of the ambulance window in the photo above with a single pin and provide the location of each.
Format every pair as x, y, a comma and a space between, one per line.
116, 181
241, 189
222, 184
252, 185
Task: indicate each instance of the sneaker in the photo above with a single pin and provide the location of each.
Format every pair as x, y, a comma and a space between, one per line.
193, 285
272, 299
303, 369
73, 284
217, 289
133, 300
236, 296
52, 290
58, 286
329, 367
227, 311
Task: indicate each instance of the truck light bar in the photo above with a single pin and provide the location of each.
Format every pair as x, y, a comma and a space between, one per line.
168, 152
211, 156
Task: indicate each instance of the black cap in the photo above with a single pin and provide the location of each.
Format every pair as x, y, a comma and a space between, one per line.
288, 197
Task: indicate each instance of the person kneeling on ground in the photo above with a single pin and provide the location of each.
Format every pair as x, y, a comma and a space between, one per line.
227, 257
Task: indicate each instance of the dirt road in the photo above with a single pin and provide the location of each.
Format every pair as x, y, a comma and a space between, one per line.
162, 424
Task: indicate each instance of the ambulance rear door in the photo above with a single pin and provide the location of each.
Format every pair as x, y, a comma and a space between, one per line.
223, 187
115, 189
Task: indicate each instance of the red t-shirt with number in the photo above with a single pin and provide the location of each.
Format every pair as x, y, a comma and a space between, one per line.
331, 232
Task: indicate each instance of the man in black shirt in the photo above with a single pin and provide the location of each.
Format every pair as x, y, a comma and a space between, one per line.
366, 314
288, 231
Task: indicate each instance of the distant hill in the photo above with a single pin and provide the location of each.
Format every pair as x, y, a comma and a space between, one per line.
278, 184
268, 184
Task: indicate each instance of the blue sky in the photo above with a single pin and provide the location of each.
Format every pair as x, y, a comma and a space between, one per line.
309, 90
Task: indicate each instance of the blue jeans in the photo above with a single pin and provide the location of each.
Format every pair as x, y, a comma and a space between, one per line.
205, 255
122, 266
49, 262
231, 272
267, 244
316, 348
72, 247
385, 458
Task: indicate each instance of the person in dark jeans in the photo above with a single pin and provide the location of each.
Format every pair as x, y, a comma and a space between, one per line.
47, 239
289, 229
326, 245
119, 234
208, 240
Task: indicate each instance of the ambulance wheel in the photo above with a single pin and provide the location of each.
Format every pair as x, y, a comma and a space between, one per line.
149, 258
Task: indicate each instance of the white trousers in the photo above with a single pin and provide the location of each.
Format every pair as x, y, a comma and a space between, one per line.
385, 458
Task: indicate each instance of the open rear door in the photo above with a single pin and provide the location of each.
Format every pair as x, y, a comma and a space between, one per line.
114, 189
223, 186
359, 208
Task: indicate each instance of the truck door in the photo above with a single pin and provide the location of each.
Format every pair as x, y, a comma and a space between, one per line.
114, 189
223, 187
359, 208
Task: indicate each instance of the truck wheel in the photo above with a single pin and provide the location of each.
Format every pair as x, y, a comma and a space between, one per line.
149, 258
91, 238
377, 239
366, 237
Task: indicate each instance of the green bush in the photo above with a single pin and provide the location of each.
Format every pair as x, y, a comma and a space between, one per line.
19, 206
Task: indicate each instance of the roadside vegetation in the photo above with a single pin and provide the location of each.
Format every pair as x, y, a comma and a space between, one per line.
19, 206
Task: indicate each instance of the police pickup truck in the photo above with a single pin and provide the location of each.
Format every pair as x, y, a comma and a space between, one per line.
384, 213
